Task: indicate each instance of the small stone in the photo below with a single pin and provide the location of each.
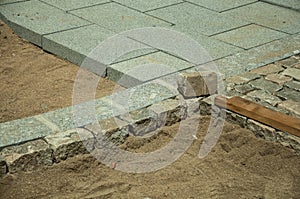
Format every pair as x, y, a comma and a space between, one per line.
236, 118
268, 69
292, 106
293, 85
278, 78
292, 72
243, 78
288, 62
288, 93
259, 94
288, 140
244, 89
265, 85
261, 130
195, 84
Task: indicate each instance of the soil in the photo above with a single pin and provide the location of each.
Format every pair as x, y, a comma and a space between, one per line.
240, 166
33, 81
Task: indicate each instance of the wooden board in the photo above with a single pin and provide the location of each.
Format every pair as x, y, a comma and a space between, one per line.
260, 113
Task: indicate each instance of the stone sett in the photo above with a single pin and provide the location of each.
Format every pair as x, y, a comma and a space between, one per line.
289, 62
293, 85
292, 72
244, 89
268, 69
262, 95
291, 106
265, 85
278, 78
288, 93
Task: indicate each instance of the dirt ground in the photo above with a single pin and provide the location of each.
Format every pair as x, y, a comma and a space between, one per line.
33, 81
240, 166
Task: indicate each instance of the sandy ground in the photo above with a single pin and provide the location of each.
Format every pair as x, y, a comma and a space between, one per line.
33, 81
240, 166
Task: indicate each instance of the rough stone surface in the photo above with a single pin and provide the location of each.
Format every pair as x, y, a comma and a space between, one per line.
292, 106
244, 89
293, 85
289, 62
289, 140
261, 130
261, 95
268, 86
198, 84
27, 156
3, 167
236, 118
144, 6
268, 69
287, 93
278, 78
74, 4
193, 106
292, 72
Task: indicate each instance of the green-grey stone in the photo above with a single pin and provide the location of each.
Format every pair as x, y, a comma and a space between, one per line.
266, 85
74, 4
2, 2
118, 18
143, 5
250, 36
293, 85
244, 89
289, 94
268, 15
264, 96
294, 4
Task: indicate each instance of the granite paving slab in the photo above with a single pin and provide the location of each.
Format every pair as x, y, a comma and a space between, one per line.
268, 15
250, 36
118, 18
223, 5
2, 2
143, 5
68, 5
32, 19
188, 16
294, 4
85, 42
145, 68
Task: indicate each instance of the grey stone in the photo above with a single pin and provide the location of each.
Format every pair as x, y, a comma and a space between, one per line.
236, 118
268, 69
221, 5
292, 106
278, 78
242, 78
244, 89
250, 36
261, 130
293, 85
3, 167
193, 106
261, 95
289, 62
74, 4
198, 84
288, 140
22, 130
269, 16
10, 1
292, 72
287, 93
118, 18
144, 6
200, 19
27, 156
265, 85
294, 4
32, 19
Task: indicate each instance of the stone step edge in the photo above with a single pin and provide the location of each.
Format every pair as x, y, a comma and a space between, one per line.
58, 147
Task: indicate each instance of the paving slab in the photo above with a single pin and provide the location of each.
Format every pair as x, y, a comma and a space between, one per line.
118, 18
68, 5
84, 42
223, 5
143, 5
143, 69
2, 2
32, 19
294, 4
250, 36
18, 131
268, 15
188, 16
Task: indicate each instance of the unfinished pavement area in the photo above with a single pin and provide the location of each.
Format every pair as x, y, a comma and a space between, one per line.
237, 35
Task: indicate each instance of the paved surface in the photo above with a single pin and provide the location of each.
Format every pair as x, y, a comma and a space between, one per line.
238, 35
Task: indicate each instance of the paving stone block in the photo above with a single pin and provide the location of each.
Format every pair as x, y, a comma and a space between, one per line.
197, 84
22, 130
200, 19
68, 143
242, 78
278, 78
32, 19
289, 62
287, 93
292, 106
261, 130
268, 15
10, 1
262, 95
145, 68
118, 18
292, 72
265, 85
244, 89
268, 69
221, 5
250, 36
74, 4
27, 156
293, 85
143, 5
294, 4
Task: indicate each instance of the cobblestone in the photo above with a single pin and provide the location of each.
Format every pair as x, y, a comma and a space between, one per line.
268, 69
278, 78
268, 86
292, 106
293, 85
288, 93
262, 95
292, 72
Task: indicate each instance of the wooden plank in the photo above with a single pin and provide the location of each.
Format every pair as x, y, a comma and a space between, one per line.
260, 113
